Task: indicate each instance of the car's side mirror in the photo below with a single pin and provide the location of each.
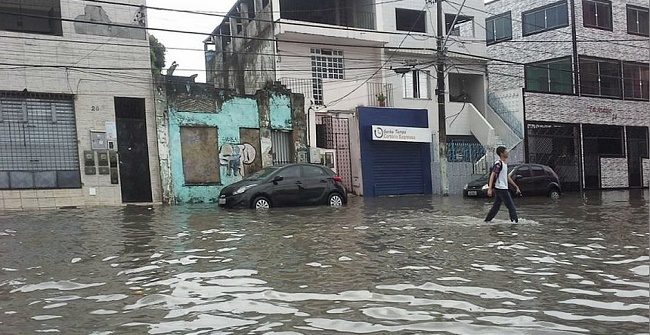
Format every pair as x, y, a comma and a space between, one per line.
277, 179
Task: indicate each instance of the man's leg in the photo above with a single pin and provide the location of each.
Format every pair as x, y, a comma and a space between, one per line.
507, 200
495, 208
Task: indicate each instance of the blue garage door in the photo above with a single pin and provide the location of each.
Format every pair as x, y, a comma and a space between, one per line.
398, 168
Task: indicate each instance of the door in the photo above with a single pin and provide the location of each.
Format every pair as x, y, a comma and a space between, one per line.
315, 184
637, 148
539, 180
135, 178
286, 192
523, 179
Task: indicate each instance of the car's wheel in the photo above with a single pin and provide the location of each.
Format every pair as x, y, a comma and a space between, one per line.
335, 200
554, 193
261, 203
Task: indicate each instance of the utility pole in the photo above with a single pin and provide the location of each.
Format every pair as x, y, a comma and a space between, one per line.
440, 92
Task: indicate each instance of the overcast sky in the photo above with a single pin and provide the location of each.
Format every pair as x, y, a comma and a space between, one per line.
190, 62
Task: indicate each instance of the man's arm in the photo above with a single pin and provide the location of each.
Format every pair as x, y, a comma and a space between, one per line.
491, 183
512, 182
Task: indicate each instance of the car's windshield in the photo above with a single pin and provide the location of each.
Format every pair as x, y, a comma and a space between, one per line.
263, 173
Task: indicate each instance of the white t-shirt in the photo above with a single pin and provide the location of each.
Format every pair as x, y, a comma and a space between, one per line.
501, 170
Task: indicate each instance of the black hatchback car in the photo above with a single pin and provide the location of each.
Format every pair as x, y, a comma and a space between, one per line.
286, 185
532, 179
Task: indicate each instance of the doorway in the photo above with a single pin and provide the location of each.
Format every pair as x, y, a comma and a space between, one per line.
637, 148
135, 177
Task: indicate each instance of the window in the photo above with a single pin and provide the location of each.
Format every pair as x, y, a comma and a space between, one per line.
637, 20
31, 16
552, 77
313, 172
545, 18
410, 20
38, 142
291, 172
459, 25
635, 81
538, 171
597, 14
416, 84
600, 77
603, 140
523, 171
498, 28
200, 154
325, 64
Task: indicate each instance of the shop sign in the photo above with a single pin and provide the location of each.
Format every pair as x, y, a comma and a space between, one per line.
401, 134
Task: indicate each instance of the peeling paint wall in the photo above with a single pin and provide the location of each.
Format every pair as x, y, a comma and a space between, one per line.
96, 13
183, 103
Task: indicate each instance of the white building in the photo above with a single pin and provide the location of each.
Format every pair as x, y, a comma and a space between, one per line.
581, 86
76, 105
343, 54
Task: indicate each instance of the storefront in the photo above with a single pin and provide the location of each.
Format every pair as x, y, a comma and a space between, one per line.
395, 151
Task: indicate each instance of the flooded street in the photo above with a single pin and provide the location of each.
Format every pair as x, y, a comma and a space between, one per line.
404, 265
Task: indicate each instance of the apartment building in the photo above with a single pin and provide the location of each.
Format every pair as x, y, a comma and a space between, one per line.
576, 76
346, 54
76, 105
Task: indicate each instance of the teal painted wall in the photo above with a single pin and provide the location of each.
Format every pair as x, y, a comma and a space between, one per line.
280, 110
234, 114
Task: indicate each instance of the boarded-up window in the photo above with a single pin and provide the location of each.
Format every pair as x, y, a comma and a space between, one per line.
200, 150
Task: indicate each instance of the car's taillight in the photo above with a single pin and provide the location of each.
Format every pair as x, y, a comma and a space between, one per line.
337, 178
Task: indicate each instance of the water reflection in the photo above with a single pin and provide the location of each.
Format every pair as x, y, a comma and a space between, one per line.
405, 265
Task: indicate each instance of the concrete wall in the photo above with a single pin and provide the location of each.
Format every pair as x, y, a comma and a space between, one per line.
188, 104
614, 173
94, 78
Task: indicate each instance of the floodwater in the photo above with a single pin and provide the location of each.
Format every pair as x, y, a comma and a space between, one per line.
407, 265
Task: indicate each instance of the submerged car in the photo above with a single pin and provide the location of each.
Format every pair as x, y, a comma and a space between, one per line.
532, 179
286, 185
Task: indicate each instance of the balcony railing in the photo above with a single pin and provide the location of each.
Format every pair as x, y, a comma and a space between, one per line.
300, 85
377, 91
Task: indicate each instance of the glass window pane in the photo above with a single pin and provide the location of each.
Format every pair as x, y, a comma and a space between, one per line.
610, 79
643, 23
604, 15
537, 78
561, 77
552, 17
291, 172
632, 26
589, 77
589, 13
489, 31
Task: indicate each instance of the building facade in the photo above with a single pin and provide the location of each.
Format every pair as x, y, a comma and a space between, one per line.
210, 138
345, 54
77, 123
575, 74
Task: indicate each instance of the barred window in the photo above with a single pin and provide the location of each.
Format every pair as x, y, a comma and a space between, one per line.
38, 142
325, 64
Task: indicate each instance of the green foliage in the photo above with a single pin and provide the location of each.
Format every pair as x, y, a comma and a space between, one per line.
157, 51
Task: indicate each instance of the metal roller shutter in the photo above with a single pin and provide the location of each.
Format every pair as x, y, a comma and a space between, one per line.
38, 142
398, 168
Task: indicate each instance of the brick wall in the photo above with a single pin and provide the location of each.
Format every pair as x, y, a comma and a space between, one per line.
614, 173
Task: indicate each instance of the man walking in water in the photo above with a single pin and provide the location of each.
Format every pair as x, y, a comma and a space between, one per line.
498, 182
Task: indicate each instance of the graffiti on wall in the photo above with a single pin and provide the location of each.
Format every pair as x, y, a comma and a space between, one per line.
235, 156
